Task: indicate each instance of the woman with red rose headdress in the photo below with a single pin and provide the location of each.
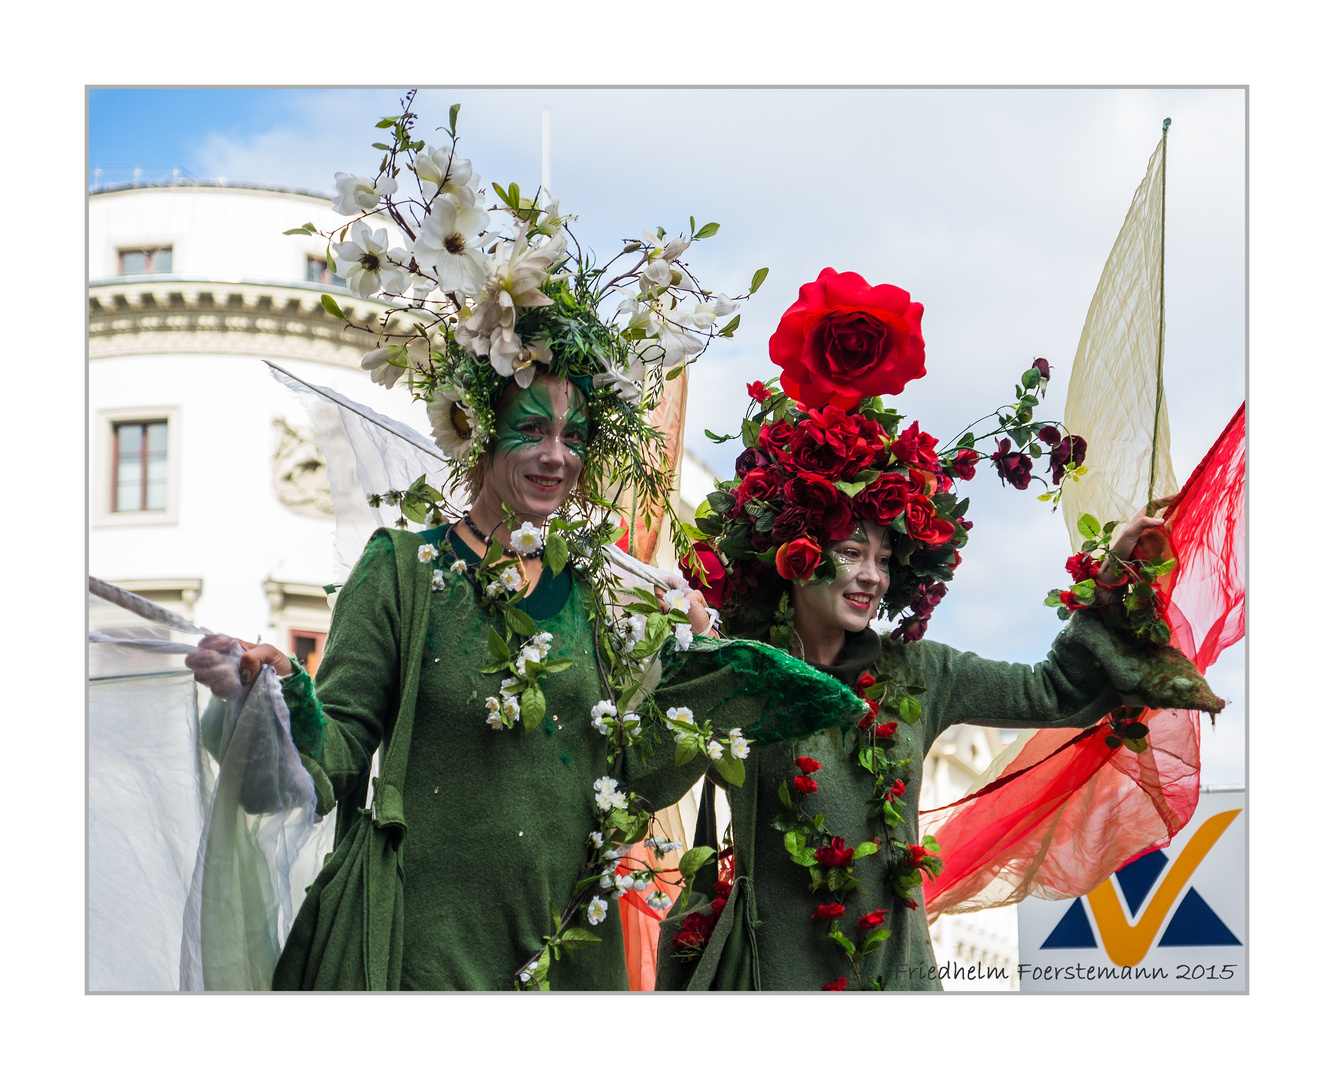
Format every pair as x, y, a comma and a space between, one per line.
837, 515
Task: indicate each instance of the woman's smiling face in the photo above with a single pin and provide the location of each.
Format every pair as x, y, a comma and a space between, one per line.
850, 601
541, 438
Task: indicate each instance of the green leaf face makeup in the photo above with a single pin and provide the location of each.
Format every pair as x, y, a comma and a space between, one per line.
530, 416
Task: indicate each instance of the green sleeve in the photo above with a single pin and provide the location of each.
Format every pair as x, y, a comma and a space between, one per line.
338, 720
769, 695
1090, 670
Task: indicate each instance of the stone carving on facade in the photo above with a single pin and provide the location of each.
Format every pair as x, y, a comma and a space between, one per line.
300, 476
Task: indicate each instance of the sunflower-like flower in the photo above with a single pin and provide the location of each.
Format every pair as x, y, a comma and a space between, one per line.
453, 423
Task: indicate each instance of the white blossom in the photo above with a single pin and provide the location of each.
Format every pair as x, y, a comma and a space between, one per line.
495, 720
494, 589
527, 539
607, 797
440, 170
642, 880
601, 711
368, 265
596, 838
597, 910
676, 601
659, 901
714, 749
681, 715
437, 580
684, 636
740, 748
493, 704
630, 723
427, 553
380, 364
704, 314
607, 881
624, 883
512, 708
670, 846
458, 566
508, 684
357, 194
450, 244
511, 578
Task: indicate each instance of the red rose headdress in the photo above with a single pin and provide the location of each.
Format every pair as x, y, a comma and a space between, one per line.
824, 452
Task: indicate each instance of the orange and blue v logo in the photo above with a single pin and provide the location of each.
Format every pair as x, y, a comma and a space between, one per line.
1127, 943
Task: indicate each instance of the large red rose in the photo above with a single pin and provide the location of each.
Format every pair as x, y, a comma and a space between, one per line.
828, 510
916, 447
883, 500
797, 559
837, 444
759, 484
845, 340
924, 526
773, 440
713, 582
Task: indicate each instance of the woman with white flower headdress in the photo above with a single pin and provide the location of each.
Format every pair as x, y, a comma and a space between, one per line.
501, 668
839, 513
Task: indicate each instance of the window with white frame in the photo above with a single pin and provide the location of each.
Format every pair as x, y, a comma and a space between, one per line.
144, 260
135, 465
139, 453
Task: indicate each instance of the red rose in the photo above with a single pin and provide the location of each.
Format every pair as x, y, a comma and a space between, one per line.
828, 911
964, 464
1013, 466
842, 444
719, 902
797, 559
1044, 368
844, 340
808, 765
916, 447
687, 939
1050, 434
723, 889
713, 581
872, 919
758, 391
1081, 567
896, 790
805, 785
759, 485
773, 439
841, 983
865, 681
917, 854
749, 458
1069, 451
828, 510
834, 853
887, 729
921, 482
872, 711
882, 500
1071, 601
923, 525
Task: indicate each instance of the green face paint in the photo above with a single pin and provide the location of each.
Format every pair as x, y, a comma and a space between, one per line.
530, 415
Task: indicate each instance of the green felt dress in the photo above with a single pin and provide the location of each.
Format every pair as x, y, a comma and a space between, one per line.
765, 938
494, 823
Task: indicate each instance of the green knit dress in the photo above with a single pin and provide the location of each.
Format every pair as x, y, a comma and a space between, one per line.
765, 938
497, 822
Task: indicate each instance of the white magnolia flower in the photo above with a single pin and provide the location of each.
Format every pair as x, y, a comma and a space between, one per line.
512, 708
453, 423
427, 553
527, 539
683, 715
714, 749
515, 282
458, 566
440, 170
437, 580
706, 313
357, 194
628, 382
383, 370
511, 578
684, 636
740, 748
661, 253
659, 901
450, 244
367, 263
677, 343
597, 910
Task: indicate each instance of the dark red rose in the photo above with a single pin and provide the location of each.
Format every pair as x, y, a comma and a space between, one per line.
1044, 368
687, 939
758, 391
723, 889
713, 582
797, 559
719, 902
749, 458
924, 526
1081, 567
808, 765
965, 464
910, 630
1050, 434
917, 854
759, 542
1069, 451
896, 790
699, 923
872, 919
844, 340
834, 853
841, 983
759, 485
865, 681
887, 729
828, 510
916, 447
773, 439
882, 500
828, 911
805, 785
1013, 466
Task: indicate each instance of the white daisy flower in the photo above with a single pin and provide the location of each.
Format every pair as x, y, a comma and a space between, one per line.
427, 553
714, 749
683, 715
597, 910
453, 423
437, 581
527, 539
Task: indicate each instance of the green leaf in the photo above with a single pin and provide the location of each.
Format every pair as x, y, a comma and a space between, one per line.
910, 709
520, 622
414, 507
685, 751
576, 937
783, 796
532, 707
331, 306
553, 667
676, 372
758, 279
453, 117
875, 938
1031, 378
694, 860
804, 857
1088, 526
750, 432
731, 770
498, 648
381, 146
306, 230
504, 195
850, 488
387, 122
838, 938
869, 847
719, 438
707, 230
929, 842
794, 840
730, 329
